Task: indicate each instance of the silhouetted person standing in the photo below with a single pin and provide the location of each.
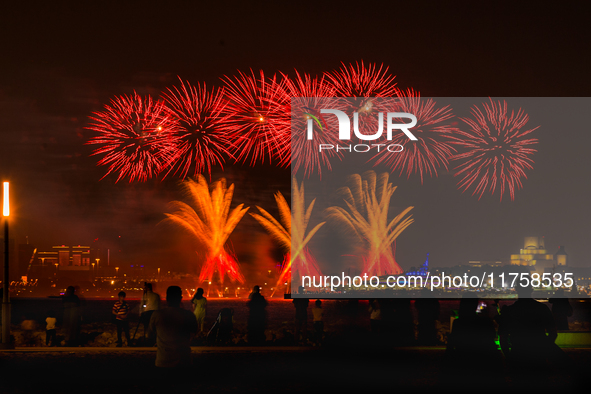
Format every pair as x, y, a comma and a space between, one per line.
401, 322
50, 330
150, 303
317, 313
527, 333
375, 317
561, 310
473, 337
301, 316
472, 350
121, 313
199, 306
428, 314
71, 323
173, 328
256, 317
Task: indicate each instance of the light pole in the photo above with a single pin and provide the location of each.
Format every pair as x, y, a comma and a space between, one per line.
5, 295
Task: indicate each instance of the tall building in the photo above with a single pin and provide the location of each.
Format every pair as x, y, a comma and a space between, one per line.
561, 257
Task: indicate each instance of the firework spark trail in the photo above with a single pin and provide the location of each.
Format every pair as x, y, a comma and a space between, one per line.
257, 118
362, 84
294, 238
495, 149
210, 221
310, 95
368, 203
361, 81
200, 141
136, 137
434, 131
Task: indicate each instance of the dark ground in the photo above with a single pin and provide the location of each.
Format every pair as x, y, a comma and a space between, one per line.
336, 369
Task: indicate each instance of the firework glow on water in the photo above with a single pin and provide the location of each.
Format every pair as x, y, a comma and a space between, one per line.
211, 222
368, 204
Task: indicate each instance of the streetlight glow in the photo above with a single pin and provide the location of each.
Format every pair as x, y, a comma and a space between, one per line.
6, 205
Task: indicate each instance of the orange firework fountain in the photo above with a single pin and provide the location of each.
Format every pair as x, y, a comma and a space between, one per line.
292, 238
368, 202
211, 222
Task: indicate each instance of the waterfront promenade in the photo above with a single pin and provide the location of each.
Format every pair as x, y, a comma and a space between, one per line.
263, 369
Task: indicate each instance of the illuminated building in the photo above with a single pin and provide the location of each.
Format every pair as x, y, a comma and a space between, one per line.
535, 255
63, 261
422, 271
478, 263
561, 256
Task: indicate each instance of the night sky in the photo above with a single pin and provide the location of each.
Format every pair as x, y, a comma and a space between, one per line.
63, 60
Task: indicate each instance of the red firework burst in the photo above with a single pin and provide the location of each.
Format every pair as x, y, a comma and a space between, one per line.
433, 130
362, 84
360, 81
309, 96
257, 117
135, 135
496, 149
200, 141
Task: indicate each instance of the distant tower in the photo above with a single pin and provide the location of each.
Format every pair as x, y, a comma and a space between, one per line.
561, 256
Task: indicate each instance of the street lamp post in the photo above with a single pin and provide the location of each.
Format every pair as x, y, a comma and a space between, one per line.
5, 295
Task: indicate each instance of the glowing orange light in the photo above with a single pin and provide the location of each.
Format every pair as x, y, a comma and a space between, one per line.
6, 206
293, 241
